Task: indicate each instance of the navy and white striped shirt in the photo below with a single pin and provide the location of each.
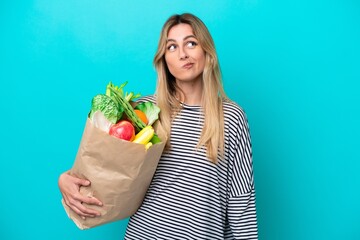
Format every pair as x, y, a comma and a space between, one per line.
192, 198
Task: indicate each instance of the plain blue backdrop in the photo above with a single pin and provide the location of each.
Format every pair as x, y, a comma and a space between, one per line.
294, 67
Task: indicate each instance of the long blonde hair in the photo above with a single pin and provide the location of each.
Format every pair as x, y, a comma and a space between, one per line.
212, 136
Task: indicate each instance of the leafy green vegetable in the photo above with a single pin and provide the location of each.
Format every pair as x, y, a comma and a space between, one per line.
151, 111
155, 139
120, 90
114, 103
110, 108
109, 103
128, 109
131, 96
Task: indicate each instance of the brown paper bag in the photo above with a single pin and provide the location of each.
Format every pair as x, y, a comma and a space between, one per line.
120, 173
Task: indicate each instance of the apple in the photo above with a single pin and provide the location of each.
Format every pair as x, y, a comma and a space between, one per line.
123, 130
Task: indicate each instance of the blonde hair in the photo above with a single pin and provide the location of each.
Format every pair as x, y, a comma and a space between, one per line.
212, 136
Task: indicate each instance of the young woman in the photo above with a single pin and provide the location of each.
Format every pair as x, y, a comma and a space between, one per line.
203, 187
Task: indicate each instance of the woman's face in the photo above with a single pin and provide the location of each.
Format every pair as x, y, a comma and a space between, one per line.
184, 57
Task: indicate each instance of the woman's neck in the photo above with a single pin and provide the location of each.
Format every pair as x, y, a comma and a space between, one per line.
191, 92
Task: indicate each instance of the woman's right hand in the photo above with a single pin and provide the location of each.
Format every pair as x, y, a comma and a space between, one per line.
70, 190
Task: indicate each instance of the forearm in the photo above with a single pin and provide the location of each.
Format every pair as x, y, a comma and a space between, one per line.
242, 216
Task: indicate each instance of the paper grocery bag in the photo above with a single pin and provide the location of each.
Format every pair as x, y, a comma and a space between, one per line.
120, 173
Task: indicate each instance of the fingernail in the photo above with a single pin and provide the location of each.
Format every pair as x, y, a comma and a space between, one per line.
84, 218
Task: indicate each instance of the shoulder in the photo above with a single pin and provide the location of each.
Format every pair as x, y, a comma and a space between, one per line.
234, 113
147, 98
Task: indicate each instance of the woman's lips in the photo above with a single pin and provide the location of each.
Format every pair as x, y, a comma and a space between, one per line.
188, 65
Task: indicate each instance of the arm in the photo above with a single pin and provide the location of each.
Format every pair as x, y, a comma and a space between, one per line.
241, 211
70, 189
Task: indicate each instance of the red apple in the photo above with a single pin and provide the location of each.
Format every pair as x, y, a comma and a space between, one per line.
123, 130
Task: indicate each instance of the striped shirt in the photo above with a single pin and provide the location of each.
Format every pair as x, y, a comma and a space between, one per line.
192, 198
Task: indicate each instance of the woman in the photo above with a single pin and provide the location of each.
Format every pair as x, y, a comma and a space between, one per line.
203, 187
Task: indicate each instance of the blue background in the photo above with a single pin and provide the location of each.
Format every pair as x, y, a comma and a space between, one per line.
294, 67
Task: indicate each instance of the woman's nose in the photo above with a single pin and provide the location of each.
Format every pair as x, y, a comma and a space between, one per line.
183, 54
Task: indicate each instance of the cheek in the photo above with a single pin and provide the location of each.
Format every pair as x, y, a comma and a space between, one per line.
169, 60
201, 60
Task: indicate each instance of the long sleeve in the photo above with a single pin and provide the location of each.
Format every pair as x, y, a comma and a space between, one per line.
241, 211
192, 198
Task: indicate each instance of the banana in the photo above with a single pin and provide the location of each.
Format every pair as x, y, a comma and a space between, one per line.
145, 135
148, 145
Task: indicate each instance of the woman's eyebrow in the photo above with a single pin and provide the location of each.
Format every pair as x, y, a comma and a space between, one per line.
173, 40
190, 36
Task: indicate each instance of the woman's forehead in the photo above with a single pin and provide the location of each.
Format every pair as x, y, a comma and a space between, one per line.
180, 30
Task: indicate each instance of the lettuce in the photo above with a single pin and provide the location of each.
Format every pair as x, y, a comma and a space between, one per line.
110, 108
151, 111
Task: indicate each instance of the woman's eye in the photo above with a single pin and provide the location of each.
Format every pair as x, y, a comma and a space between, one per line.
171, 48
191, 44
